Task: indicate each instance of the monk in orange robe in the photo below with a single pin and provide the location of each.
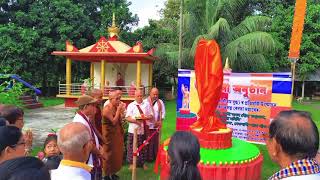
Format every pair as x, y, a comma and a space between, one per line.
209, 81
113, 134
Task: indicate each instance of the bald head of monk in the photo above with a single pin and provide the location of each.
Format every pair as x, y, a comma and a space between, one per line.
119, 92
138, 96
97, 94
74, 141
154, 94
114, 98
292, 136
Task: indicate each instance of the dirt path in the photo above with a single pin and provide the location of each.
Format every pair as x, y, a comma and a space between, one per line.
42, 120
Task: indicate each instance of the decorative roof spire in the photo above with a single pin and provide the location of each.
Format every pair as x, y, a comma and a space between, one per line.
227, 68
226, 65
113, 30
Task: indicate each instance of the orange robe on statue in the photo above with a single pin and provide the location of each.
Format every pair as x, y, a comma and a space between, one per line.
209, 81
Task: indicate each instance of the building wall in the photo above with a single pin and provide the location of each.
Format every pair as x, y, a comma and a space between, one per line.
129, 76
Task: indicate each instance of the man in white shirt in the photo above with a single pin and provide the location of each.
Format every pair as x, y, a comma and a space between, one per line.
159, 112
87, 108
138, 114
74, 141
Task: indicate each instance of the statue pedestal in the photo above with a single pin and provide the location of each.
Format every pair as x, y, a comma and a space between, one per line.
242, 161
184, 119
184, 111
221, 139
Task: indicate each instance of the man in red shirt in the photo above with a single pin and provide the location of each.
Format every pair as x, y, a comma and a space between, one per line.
120, 81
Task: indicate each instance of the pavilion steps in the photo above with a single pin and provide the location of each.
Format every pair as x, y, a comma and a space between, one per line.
30, 103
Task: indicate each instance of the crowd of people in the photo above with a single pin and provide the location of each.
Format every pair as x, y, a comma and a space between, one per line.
92, 145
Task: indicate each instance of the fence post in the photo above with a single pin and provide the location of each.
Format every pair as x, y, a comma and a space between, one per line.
134, 160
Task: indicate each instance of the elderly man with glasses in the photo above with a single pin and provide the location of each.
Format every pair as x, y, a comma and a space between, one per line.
12, 144
293, 143
87, 110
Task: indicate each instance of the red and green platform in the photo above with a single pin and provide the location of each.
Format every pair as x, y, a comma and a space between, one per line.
221, 156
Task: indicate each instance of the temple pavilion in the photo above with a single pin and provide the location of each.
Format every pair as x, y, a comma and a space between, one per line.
113, 65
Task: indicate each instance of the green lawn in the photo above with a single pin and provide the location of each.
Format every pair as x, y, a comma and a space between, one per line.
311, 106
51, 101
169, 126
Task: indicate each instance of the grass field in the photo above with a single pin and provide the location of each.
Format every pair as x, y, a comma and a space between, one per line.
169, 128
51, 101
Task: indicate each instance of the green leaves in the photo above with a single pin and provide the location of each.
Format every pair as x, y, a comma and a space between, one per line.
220, 28
255, 42
10, 96
30, 30
251, 24
242, 42
282, 18
246, 52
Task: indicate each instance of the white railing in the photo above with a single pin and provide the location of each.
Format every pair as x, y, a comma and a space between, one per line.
127, 91
78, 89
75, 89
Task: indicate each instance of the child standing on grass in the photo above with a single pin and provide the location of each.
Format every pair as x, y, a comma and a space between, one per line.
52, 155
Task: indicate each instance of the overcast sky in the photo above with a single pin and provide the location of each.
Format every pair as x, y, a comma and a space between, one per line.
146, 9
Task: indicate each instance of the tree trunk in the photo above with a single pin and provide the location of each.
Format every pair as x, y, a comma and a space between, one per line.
44, 84
180, 35
302, 91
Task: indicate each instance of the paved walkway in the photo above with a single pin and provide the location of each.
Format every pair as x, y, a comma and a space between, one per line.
42, 120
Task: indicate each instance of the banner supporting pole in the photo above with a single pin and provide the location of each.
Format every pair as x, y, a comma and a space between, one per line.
134, 160
293, 75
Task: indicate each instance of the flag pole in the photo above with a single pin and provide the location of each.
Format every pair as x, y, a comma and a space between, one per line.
296, 36
180, 34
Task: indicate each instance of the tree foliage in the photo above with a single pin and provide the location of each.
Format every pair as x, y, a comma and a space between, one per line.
163, 35
10, 95
254, 34
243, 39
30, 30
310, 45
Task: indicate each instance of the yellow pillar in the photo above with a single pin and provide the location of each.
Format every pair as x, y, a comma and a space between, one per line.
150, 75
92, 74
102, 75
138, 83
68, 76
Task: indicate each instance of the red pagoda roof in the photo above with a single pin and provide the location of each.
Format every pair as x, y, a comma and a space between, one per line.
111, 50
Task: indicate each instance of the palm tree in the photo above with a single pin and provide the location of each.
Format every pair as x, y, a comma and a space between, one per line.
245, 43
